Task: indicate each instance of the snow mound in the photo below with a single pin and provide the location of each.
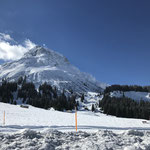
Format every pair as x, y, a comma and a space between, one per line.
134, 133
56, 140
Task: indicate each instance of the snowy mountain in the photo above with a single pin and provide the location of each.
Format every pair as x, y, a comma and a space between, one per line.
43, 65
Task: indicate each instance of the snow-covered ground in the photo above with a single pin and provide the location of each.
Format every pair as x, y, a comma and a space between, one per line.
36, 128
55, 140
36, 118
132, 94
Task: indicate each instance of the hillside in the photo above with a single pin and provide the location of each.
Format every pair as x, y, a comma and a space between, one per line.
132, 94
17, 117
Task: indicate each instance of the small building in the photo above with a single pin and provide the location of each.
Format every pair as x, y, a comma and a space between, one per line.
24, 106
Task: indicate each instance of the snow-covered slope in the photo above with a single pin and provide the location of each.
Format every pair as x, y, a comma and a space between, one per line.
90, 98
132, 94
43, 65
32, 129
33, 117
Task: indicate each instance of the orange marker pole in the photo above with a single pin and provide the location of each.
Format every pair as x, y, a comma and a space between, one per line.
4, 119
76, 118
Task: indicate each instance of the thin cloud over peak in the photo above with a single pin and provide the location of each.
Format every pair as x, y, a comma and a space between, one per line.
9, 51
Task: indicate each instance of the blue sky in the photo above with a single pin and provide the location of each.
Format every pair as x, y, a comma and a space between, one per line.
109, 39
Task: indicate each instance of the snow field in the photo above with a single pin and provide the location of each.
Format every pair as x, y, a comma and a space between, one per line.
34, 129
36, 118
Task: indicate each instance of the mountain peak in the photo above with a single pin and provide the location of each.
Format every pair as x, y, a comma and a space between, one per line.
38, 50
46, 56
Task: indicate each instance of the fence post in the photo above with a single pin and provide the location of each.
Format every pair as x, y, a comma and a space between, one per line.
4, 119
76, 118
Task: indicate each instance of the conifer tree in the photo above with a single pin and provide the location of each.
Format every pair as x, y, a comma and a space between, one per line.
93, 108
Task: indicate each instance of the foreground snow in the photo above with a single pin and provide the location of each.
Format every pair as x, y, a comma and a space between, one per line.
56, 140
34, 129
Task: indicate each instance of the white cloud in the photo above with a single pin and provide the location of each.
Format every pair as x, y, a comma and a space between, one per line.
5, 37
10, 51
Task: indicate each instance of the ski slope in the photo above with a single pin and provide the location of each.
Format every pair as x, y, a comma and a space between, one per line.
36, 118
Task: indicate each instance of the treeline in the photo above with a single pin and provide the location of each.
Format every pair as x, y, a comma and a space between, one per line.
44, 97
6, 91
125, 107
126, 88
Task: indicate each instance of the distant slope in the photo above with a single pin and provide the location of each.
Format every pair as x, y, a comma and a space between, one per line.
132, 94
43, 65
135, 92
